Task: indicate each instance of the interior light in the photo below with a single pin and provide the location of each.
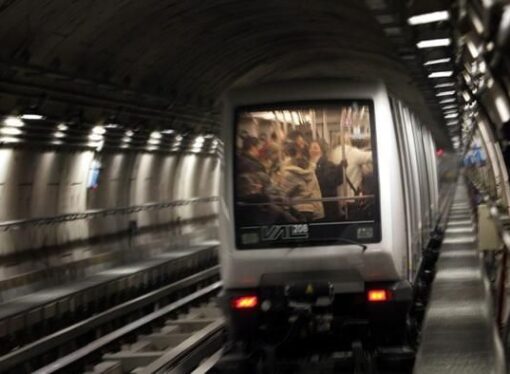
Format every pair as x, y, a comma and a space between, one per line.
155, 135
111, 125
441, 74
178, 137
245, 302
129, 133
62, 127
432, 43
98, 130
56, 142
10, 131
153, 141
126, 139
421, 19
9, 139
452, 123
444, 85
59, 134
466, 96
13, 122
452, 115
445, 93
32, 116
377, 295
167, 131
449, 100
209, 136
437, 61
152, 148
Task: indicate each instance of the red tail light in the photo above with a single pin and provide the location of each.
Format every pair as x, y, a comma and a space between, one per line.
378, 295
245, 302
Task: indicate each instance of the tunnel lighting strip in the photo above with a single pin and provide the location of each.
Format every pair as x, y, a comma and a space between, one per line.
425, 18
32, 116
13, 122
445, 85
441, 74
433, 43
445, 93
95, 213
437, 61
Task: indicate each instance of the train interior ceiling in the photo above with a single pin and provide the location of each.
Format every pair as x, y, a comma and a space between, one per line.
115, 148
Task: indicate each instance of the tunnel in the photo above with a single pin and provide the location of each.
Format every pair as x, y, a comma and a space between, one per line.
132, 212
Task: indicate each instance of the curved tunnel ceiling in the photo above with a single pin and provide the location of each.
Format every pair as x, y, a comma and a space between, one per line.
190, 52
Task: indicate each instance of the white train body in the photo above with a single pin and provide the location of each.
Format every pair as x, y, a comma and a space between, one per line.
347, 268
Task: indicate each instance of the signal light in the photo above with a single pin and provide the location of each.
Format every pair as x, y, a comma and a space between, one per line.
245, 302
378, 295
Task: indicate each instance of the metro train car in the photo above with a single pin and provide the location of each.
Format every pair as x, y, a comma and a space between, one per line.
330, 196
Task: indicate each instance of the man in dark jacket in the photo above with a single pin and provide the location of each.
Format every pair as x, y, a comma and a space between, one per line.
330, 176
247, 161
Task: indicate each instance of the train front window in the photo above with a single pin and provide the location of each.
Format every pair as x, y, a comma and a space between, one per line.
305, 174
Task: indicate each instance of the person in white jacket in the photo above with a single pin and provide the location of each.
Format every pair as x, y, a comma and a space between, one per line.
358, 160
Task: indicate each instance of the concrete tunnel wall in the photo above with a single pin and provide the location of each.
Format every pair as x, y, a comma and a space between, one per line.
44, 183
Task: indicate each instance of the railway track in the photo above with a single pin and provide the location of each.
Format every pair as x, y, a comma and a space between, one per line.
76, 347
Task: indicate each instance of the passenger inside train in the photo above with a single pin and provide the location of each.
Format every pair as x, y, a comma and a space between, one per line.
304, 164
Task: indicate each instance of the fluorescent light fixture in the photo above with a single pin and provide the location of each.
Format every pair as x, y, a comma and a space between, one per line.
441, 74
152, 148
57, 142
62, 127
445, 85
168, 131
124, 146
449, 100
452, 115
153, 141
466, 96
209, 136
452, 123
452, 106
424, 18
155, 135
437, 61
13, 122
59, 134
445, 93
433, 43
178, 138
129, 133
95, 137
98, 130
32, 116
10, 131
111, 125
126, 139
9, 139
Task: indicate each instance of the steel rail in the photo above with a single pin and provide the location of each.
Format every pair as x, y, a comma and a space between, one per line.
100, 344
65, 335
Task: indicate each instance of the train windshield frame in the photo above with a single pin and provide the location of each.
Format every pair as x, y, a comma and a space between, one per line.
290, 160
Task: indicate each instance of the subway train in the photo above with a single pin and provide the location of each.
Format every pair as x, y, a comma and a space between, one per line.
331, 194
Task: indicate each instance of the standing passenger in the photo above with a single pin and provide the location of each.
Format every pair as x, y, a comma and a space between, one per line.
330, 176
